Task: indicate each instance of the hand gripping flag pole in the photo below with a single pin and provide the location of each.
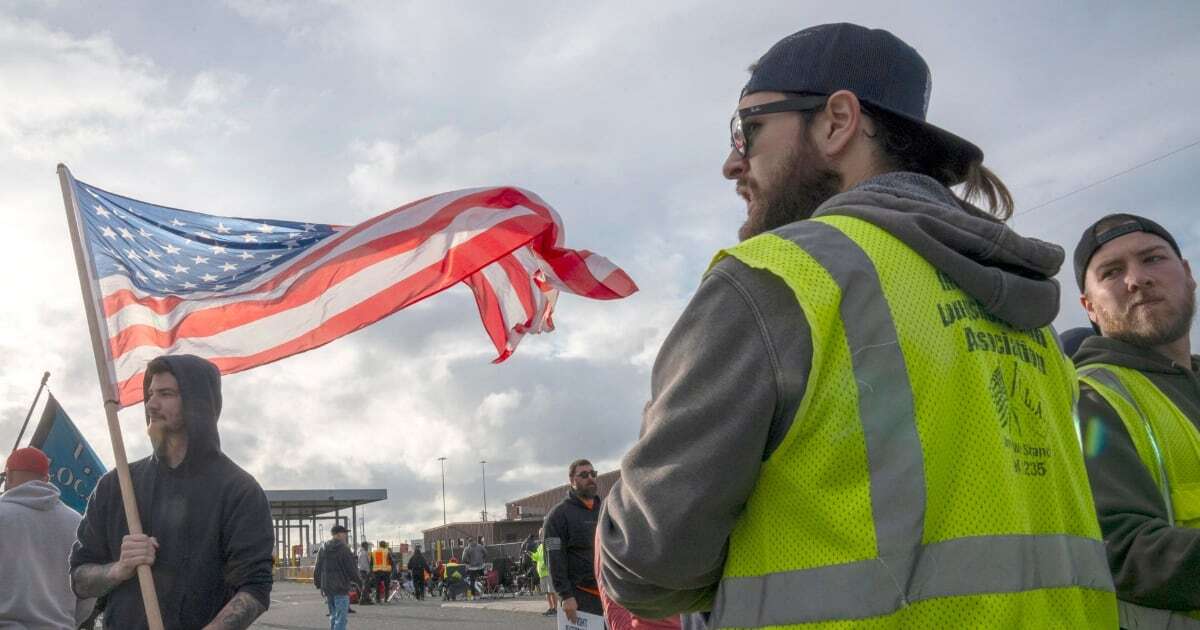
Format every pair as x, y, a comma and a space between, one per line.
92, 307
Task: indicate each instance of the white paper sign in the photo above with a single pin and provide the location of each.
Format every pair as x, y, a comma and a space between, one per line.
586, 621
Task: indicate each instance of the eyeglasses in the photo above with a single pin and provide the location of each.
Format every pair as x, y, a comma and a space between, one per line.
587, 473
740, 140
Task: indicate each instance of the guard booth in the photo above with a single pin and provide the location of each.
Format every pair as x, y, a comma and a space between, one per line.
302, 519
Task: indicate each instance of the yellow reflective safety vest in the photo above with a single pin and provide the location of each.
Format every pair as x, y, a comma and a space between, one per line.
381, 560
1168, 444
932, 477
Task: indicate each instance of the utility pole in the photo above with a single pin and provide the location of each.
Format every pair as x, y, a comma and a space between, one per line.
483, 476
445, 530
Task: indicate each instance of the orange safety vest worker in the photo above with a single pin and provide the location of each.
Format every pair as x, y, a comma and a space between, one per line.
381, 560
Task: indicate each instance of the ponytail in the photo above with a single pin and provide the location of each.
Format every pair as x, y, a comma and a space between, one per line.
982, 184
903, 147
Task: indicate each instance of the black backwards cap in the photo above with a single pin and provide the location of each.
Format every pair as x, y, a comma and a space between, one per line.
1090, 242
878, 67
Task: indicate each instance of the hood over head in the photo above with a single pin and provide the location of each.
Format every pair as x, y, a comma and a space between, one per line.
200, 391
35, 495
1011, 276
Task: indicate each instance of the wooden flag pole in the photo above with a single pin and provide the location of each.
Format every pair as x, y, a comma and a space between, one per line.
91, 306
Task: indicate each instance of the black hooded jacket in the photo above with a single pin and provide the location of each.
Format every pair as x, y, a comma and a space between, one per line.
418, 565
211, 519
570, 534
336, 569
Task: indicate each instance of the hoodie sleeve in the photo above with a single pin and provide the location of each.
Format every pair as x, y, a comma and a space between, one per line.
92, 538
556, 531
1153, 564
725, 389
349, 567
248, 539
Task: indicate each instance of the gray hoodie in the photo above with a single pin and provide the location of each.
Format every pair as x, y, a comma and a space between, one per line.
36, 533
730, 377
1153, 564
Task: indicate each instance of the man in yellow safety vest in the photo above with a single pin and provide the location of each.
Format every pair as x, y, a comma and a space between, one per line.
863, 418
1139, 409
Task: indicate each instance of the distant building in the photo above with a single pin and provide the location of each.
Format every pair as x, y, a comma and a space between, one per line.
493, 532
536, 506
524, 516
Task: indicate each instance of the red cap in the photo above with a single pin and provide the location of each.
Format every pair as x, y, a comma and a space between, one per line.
29, 459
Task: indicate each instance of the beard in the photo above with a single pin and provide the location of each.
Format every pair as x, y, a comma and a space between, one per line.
159, 433
803, 183
158, 437
1150, 330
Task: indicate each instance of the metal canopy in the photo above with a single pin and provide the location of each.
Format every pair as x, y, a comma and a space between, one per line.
306, 504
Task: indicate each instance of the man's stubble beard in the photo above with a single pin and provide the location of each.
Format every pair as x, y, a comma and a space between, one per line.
1151, 334
807, 183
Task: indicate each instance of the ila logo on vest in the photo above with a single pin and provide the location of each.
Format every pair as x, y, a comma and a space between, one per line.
1021, 420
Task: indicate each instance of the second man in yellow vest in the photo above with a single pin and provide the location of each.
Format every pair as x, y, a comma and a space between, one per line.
1139, 410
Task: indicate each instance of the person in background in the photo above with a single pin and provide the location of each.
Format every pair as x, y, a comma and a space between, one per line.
545, 584
1139, 412
381, 569
418, 567
334, 574
474, 556
36, 533
569, 534
364, 571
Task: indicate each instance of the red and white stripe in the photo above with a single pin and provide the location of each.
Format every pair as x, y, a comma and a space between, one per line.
506, 243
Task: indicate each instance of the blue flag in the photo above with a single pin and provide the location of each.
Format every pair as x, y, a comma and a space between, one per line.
74, 467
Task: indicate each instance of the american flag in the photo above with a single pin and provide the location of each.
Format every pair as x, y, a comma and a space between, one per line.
246, 292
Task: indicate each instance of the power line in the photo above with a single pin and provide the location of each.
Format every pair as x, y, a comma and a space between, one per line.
1109, 178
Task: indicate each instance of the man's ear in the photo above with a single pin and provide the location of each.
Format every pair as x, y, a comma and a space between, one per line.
1088, 307
840, 123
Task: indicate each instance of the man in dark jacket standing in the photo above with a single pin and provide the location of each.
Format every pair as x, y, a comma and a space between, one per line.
334, 574
1139, 406
570, 533
207, 522
417, 566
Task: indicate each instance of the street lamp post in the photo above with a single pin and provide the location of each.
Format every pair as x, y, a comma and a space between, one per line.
445, 531
483, 476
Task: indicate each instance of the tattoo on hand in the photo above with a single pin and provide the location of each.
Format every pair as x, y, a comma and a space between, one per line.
93, 580
238, 614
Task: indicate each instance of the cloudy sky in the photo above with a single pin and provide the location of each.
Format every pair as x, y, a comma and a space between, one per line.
615, 113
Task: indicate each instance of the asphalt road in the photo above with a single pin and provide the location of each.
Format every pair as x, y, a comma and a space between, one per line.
299, 605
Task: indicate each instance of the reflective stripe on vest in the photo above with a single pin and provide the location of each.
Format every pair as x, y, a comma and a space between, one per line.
905, 570
1150, 431
1154, 459
1134, 617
